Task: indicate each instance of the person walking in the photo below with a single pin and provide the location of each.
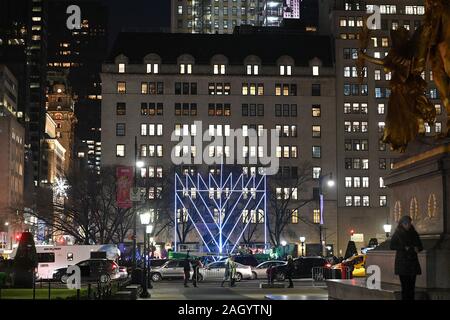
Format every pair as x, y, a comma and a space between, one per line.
196, 271
407, 243
232, 272
187, 270
290, 270
226, 276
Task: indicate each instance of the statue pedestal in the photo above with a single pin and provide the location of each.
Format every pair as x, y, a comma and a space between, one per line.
420, 184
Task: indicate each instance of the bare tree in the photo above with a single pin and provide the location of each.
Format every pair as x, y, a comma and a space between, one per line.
285, 196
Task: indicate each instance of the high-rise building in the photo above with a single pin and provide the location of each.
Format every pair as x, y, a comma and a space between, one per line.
237, 83
80, 53
23, 48
214, 16
12, 141
362, 159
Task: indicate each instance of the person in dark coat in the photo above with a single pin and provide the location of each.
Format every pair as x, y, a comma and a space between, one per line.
196, 271
406, 242
290, 271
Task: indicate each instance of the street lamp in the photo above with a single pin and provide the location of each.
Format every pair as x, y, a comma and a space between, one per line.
149, 231
387, 228
145, 220
302, 241
330, 184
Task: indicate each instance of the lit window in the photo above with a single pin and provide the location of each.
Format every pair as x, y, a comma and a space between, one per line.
120, 150
121, 67
316, 216
315, 70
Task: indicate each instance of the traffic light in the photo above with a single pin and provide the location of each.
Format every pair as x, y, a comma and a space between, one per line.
352, 232
18, 236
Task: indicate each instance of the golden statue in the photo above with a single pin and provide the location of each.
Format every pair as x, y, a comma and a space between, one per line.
408, 106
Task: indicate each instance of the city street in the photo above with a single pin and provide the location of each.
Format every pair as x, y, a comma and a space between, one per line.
245, 290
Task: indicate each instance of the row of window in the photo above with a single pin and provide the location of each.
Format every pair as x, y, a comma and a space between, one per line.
251, 69
190, 88
358, 201
361, 182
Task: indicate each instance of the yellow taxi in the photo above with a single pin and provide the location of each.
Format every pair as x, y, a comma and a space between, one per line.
357, 263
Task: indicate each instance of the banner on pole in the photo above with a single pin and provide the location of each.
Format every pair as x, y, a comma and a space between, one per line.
124, 176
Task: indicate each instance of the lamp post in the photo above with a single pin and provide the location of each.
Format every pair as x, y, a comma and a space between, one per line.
137, 165
387, 228
302, 241
145, 220
148, 231
330, 184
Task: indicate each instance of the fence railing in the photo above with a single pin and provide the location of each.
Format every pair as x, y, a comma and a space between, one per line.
321, 274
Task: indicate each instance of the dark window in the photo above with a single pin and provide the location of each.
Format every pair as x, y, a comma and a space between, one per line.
278, 110
159, 110
185, 87
178, 109
293, 110
185, 109
47, 257
253, 110
285, 110
193, 109
219, 109
227, 109
177, 87
144, 109
160, 88
293, 91
194, 88
121, 108
245, 110
315, 90
260, 110
120, 129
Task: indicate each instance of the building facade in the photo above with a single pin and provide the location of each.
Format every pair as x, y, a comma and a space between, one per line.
12, 144
155, 89
61, 108
214, 16
362, 160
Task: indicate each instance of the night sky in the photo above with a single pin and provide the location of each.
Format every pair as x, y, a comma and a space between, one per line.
137, 15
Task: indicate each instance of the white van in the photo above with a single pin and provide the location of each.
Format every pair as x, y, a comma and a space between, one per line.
52, 257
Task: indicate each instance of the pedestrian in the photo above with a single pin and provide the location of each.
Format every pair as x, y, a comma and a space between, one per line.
196, 271
187, 271
226, 275
232, 272
290, 270
406, 242
270, 271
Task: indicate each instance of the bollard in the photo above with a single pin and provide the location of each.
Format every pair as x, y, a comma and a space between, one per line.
49, 290
34, 288
89, 291
78, 294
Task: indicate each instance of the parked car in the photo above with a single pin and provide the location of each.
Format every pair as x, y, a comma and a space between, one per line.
260, 271
172, 269
357, 264
92, 270
302, 267
216, 271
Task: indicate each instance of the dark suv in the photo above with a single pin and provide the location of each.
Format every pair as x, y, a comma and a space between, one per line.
302, 268
92, 270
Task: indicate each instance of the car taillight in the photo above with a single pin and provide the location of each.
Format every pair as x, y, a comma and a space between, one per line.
114, 266
328, 265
